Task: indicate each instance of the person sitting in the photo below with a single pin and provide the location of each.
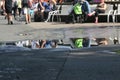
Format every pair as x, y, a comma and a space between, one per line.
52, 4
43, 8
85, 9
99, 9
34, 8
76, 11
48, 8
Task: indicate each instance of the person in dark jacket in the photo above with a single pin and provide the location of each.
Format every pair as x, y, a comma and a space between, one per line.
8, 9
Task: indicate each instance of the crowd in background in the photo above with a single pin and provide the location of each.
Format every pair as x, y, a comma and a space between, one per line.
41, 8
27, 7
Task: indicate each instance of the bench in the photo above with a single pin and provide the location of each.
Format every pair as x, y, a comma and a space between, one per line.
52, 13
65, 11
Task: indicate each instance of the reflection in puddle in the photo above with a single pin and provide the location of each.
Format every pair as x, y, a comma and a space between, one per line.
65, 38
59, 43
37, 44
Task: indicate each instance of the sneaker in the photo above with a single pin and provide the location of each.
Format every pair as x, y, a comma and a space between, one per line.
11, 22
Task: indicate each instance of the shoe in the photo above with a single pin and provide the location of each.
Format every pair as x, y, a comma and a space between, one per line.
11, 22
26, 23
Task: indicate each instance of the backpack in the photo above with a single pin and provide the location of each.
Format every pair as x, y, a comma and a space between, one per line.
77, 8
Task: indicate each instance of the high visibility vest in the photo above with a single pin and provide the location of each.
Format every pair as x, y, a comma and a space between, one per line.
79, 43
77, 8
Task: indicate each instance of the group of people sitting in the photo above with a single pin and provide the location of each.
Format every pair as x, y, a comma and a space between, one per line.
39, 7
37, 44
86, 9
43, 7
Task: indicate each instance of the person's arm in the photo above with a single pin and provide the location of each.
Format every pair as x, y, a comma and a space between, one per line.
4, 5
103, 8
42, 7
43, 43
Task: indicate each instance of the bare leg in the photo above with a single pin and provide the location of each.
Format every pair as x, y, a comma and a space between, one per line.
90, 14
29, 18
5, 15
43, 43
96, 19
42, 15
8, 18
26, 17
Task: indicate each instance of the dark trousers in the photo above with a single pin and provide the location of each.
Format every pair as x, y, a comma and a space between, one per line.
14, 11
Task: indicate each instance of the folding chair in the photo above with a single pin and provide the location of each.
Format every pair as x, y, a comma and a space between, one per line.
52, 13
117, 13
64, 11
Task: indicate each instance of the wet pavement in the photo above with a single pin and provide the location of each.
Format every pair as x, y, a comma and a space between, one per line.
56, 30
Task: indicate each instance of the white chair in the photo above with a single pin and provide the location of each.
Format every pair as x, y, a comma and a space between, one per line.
109, 12
65, 11
116, 14
51, 13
